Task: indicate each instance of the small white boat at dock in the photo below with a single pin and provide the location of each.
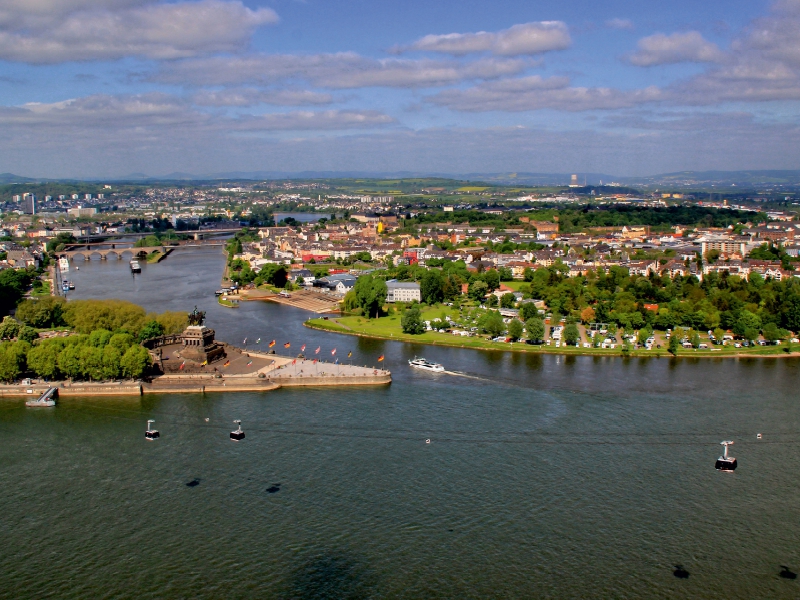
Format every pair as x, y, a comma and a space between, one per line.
135, 266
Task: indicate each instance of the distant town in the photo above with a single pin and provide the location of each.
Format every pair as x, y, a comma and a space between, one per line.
487, 243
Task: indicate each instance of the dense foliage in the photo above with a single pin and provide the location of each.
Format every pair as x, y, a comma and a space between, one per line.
101, 355
107, 346
13, 283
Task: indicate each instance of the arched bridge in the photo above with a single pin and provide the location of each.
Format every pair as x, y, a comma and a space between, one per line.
117, 253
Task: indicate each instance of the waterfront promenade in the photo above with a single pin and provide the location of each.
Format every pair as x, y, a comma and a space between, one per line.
245, 372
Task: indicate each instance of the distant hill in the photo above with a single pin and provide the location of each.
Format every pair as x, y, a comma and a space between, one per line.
11, 178
747, 179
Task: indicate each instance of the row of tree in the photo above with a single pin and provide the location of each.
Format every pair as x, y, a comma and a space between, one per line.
86, 316
98, 356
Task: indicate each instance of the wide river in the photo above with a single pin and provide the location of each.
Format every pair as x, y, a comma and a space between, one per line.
544, 477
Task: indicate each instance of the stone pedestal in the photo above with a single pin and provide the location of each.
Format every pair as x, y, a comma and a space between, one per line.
199, 345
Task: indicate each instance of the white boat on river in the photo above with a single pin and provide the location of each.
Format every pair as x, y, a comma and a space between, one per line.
421, 363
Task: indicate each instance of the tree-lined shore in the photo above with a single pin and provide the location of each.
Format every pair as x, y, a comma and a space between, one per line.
91, 340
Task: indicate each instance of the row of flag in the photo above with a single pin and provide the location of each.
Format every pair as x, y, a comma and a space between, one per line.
303, 349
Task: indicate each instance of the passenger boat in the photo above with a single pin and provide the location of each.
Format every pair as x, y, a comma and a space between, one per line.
421, 363
135, 266
71, 285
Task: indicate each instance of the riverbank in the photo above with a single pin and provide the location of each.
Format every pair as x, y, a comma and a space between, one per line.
369, 329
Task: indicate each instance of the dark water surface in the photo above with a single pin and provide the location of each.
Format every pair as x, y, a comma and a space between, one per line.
545, 476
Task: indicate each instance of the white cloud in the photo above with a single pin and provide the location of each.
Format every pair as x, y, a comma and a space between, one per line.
157, 116
536, 93
337, 71
617, 23
526, 38
252, 97
660, 49
314, 121
82, 30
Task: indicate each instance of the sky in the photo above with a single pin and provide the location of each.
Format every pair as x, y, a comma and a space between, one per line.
108, 88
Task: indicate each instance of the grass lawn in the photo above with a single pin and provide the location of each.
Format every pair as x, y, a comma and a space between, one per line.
514, 285
43, 291
228, 303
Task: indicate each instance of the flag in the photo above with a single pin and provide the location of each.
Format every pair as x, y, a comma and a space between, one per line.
333, 351
286, 345
183, 364
336, 362
317, 350
258, 341
315, 361
227, 362
205, 362
303, 348
272, 343
380, 358
245, 342
250, 363
349, 354
294, 361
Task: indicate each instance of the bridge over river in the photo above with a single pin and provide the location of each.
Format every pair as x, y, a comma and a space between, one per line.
88, 251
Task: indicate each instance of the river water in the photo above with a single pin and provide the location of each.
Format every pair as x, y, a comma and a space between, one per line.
545, 476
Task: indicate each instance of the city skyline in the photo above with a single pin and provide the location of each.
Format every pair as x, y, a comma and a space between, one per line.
109, 88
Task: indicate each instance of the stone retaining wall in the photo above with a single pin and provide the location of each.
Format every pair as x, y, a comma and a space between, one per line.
332, 380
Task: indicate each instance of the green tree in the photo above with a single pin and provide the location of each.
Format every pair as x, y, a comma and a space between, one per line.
571, 334
273, 274
772, 333
508, 300
111, 362
13, 283
27, 334
535, 328
134, 362
9, 328
350, 302
69, 361
478, 290
491, 323
745, 321
719, 334
9, 367
515, 329
91, 362
99, 337
431, 287
492, 301
42, 312
371, 293
695, 340
674, 343
528, 310
121, 341
150, 330
43, 359
492, 279
411, 321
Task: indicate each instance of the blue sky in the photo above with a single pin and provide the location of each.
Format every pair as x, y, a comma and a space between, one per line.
104, 88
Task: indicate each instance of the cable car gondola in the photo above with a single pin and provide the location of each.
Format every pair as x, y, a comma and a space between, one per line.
238, 434
725, 462
151, 434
